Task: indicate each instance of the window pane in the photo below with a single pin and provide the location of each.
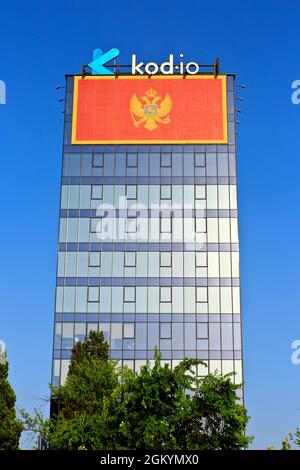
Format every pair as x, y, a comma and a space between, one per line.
129, 294
201, 259
131, 224
128, 330
165, 159
116, 336
200, 192
165, 294
95, 259
98, 160
130, 259
97, 192
202, 330
132, 160
131, 192
165, 225
200, 225
201, 294
93, 294
165, 259
165, 330
165, 192
199, 159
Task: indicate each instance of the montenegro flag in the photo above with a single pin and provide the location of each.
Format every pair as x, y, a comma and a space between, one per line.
148, 110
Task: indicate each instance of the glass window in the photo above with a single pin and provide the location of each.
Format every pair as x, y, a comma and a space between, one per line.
165, 160
177, 336
86, 164
201, 294
105, 328
141, 336
165, 345
165, 192
95, 225
131, 224
97, 192
165, 225
58, 335
201, 259
166, 259
131, 192
93, 294
165, 330
94, 259
75, 164
165, 294
129, 294
128, 330
202, 330
80, 332
153, 335
200, 225
199, 159
97, 160
116, 336
131, 160
200, 192
130, 259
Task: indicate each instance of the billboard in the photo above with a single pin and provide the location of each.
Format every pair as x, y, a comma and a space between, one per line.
149, 110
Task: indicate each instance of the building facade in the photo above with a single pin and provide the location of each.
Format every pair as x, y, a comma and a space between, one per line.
165, 271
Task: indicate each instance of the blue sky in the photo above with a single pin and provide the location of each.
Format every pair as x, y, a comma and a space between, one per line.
40, 41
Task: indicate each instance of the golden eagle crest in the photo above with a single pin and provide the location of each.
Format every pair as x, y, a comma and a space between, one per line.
151, 109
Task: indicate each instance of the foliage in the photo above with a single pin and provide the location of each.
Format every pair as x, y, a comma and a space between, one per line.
11, 427
291, 442
102, 406
92, 347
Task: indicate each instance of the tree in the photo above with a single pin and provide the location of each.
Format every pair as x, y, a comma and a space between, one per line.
214, 419
104, 407
92, 347
172, 409
10, 426
292, 441
85, 402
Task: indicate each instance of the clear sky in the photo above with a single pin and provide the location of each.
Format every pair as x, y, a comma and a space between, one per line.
40, 41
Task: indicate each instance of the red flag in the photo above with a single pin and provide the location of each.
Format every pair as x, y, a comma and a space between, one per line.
161, 109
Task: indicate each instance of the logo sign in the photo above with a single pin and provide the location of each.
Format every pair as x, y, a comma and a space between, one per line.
164, 109
100, 59
140, 68
166, 68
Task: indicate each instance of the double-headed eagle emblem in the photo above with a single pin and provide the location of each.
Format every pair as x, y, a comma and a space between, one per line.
150, 109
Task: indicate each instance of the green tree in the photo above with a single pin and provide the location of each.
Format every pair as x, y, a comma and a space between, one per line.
85, 418
10, 426
173, 409
92, 347
292, 441
102, 406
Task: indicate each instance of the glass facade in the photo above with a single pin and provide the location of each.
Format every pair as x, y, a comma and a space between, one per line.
148, 251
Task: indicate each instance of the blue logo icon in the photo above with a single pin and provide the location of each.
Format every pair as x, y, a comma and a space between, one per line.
100, 59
